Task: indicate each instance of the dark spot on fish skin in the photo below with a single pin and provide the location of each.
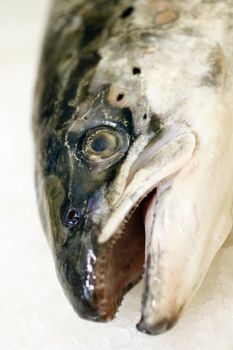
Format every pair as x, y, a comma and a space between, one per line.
136, 71
216, 62
127, 12
120, 97
145, 116
155, 123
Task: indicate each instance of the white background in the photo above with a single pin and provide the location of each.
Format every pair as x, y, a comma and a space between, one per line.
34, 314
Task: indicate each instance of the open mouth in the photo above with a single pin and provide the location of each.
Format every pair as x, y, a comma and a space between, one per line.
126, 237
121, 262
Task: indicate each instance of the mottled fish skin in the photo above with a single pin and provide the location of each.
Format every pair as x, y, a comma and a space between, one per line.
133, 96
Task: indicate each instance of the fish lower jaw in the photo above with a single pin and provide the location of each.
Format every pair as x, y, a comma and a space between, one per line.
121, 263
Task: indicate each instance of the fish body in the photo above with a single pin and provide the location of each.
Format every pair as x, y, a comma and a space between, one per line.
134, 150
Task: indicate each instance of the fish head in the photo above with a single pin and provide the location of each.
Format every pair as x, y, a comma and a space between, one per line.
138, 186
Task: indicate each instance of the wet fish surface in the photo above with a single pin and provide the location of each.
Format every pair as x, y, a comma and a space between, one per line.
134, 150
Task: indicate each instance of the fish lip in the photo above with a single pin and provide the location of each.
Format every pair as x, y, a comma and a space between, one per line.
156, 329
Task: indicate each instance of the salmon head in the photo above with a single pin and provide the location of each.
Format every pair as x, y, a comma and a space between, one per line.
134, 146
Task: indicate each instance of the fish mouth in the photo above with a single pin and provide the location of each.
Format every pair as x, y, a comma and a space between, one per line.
127, 235
121, 262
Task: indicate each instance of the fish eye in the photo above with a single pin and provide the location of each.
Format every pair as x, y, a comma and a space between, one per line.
102, 143
105, 145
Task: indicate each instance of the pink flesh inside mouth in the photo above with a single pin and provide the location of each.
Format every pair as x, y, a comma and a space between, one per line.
120, 264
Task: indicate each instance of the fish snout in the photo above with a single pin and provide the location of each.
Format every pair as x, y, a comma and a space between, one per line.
75, 270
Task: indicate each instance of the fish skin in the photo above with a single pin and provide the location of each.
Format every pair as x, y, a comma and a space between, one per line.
159, 73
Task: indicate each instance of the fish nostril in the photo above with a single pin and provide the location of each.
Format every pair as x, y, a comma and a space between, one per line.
73, 217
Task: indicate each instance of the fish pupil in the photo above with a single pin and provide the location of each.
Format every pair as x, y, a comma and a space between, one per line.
99, 144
